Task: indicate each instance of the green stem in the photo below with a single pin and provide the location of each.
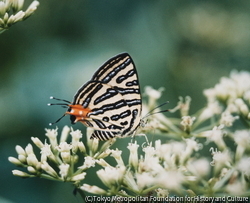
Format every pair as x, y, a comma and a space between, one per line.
50, 177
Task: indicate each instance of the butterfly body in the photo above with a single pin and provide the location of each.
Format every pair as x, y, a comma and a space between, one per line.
110, 102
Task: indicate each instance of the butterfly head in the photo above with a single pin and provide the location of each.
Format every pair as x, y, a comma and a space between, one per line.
77, 112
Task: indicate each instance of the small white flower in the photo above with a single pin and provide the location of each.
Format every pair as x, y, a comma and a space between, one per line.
150, 164
64, 134
10, 20
65, 150
187, 122
153, 95
227, 119
20, 173
22, 158
111, 176
76, 135
107, 144
156, 94
15, 161
133, 156
242, 139
231, 108
47, 153
172, 154
64, 169
191, 146
2, 8
102, 163
225, 89
104, 154
66, 157
20, 150
244, 166
246, 95
29, 149
31, 9
18, 17
177, 148
52, 135
220, 160
239, 102
17, 4
5, 18
162, 192
216, 135
210, 94
48, 169
93, 189
31, 169
64, 147
79, 177
174, 180
223, 172
162, 150
81, 147
149, 152
46, 150
213, 108
199, 167
37, 142
123, 192
241, 80
243, 108
32, 160
89, 162
183, 106
130, 181
92, 143
144, 179
236, 188
157, 145
117, 155
231, 89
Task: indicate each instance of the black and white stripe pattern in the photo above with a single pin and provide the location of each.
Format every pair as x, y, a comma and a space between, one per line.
113, 98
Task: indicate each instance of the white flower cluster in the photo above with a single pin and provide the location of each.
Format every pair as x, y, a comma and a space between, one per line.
63, 155
160, 167
230, 96
11, 12
165, 167
161, 170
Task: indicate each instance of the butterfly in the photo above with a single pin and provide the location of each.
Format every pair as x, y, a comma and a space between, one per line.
110, 102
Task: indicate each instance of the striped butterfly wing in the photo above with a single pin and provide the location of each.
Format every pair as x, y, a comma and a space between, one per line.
111, 99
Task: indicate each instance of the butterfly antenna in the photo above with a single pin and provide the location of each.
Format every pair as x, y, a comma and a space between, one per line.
57, 120
60, 99
151, 111
60, 104
147, 115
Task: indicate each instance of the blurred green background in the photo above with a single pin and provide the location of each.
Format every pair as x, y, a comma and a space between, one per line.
183, 46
